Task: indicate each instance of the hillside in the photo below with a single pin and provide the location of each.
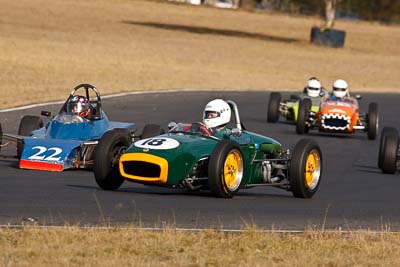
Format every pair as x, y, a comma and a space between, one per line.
49, 46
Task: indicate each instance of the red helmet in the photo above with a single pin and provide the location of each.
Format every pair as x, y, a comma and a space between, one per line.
79, 105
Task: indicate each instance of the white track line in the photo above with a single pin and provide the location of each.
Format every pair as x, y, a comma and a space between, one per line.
138, 93
160, 229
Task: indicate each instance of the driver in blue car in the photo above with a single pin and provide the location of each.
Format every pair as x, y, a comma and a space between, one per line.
79, 105
216, 115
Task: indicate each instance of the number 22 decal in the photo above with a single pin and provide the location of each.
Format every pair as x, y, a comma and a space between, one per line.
39, 155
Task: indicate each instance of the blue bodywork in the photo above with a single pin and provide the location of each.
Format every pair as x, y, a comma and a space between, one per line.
67, 140
61, 140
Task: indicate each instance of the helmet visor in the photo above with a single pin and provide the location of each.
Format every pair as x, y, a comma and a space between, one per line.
75, 107
211, 114
339, 89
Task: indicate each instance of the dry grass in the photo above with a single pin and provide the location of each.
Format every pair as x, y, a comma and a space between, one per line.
49, 46
129, 247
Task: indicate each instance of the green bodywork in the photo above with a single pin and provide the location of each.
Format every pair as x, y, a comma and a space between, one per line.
293, 110
193, 147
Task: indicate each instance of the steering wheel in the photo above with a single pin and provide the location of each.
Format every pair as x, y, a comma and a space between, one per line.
197, 127
200, 127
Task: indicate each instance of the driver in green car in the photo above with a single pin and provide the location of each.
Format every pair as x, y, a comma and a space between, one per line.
314, 91
216, 115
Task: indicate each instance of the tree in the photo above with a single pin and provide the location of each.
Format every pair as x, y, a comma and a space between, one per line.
330, 10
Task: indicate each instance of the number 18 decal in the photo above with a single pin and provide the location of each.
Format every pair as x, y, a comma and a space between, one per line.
42, 150
157, 143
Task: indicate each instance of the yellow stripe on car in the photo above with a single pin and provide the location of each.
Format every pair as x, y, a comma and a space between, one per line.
146, 158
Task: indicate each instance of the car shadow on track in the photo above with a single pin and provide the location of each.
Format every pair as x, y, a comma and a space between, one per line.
328, 135
177, 192
367, 168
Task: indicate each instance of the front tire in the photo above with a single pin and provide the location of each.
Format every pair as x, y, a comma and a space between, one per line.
302, 116
389, 152
273, 107
226, 169
28, 124
106, 158
372, 121
151, 130
305, 168
384, 134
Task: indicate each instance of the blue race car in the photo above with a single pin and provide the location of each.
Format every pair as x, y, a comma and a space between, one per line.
69, 139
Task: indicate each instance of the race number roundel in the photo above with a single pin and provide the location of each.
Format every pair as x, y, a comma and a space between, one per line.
157, 143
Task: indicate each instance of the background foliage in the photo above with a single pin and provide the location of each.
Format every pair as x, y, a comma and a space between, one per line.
387, 11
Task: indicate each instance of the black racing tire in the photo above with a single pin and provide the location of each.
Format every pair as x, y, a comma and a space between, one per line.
106, 158
302, 116
226, 156
389, 151
273, 107
295, 97
305, 169
372, 121
28, 124
385, 132
151, 130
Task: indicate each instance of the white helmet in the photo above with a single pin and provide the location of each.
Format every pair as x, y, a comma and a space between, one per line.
340, 88
216, 113
313, 87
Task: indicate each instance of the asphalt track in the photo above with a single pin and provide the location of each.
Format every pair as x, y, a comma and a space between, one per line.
353, 194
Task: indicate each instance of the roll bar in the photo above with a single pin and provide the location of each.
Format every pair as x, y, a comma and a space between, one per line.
235, 109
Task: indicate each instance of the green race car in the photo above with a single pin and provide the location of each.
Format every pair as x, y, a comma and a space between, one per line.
189, 157
289, 108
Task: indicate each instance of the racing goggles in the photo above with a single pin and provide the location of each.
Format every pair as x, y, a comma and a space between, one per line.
339, 89
77, 107
313, 88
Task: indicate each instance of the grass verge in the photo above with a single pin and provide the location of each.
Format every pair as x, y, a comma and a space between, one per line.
73, 246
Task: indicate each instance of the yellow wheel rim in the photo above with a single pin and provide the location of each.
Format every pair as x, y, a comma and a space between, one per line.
233, 170
313, 169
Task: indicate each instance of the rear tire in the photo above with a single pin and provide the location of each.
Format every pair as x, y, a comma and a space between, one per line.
372, 121
384, 134
302, 116
389, 158
28, 124
225, 169
273, 107
106, 158
151, 130
305, 168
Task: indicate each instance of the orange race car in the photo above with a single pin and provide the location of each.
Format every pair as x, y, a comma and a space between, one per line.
338, 115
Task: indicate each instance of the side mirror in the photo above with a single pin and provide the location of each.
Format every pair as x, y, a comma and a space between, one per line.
45, 113
171, 125
236, 132
358, 97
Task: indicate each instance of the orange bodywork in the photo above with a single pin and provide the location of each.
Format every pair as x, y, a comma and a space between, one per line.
39, 165
338, 115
